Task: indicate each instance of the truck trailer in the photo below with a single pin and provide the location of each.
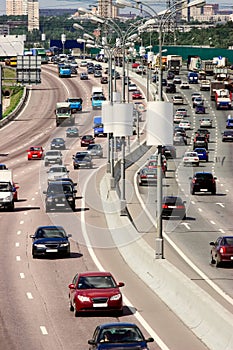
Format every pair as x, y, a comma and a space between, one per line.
174, 63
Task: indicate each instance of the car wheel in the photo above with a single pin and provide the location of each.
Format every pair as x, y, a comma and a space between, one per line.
46, 164
33, 255
192, 192
213, 192
207, 159
76, 314
11, 207
71, 306
197, 164
119, 313
184, 217
212, 260
218, 262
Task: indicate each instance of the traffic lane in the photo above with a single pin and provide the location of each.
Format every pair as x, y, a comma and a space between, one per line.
34, 128
196, 247
144, 301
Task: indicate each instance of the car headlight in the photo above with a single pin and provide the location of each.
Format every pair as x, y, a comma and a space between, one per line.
116, 297
64, 244
82, 298
39, 245
7, 199
70, 199
49, 199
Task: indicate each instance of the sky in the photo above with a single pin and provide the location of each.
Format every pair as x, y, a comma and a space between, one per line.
224, 4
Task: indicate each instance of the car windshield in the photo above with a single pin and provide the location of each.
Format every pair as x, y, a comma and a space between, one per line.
98, 98
5, 187
92, 147
204, 176
172, 200
121, 335
58, 188
58, 140
50, 233
81, 156
35, 148
96, 282
87, 137
57, 170
52, 153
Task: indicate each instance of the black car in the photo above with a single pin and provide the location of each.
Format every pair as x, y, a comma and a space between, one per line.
170, 88
82, 160
60, 195
200, 141
170, 75
203, 182
98, 73
90, 70
58, 143
227, 136
119, 336
173, 206
169, 151
50, 240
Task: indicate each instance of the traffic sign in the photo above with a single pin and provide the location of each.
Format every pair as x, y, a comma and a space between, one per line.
28, 69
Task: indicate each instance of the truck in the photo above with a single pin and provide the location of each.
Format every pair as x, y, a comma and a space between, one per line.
64, 70
7, 190
174, 63
223, 99
215, 85
195, 64
192, 77
75, 104
208, 67
98, 127
63, 114
220, 73
40, 51
205, 85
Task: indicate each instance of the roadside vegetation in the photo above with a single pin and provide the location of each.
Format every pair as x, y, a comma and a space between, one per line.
10, 90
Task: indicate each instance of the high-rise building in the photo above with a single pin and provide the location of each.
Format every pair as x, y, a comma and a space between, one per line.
33, 15
106, 9
14, 8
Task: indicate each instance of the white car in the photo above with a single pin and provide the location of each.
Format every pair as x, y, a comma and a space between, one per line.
191, 158
177, 100
184, 85
185, 124
132, 87
57, 172
178, 118
205, 123
182, 111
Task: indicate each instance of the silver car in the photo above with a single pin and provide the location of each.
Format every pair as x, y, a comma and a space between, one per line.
95, 150
53, 157
57, 172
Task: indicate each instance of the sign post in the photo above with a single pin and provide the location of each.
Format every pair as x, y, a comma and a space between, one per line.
28, 69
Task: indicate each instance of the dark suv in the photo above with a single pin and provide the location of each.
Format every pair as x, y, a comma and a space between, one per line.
203, 182
60, 195
170, 88
173, 206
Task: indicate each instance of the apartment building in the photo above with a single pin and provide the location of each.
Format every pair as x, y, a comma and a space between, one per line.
33, 15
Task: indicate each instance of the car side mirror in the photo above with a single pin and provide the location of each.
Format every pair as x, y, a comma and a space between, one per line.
32, 236
121, 284
71, 286
44, 192
91, 342
75, 191
212, 243
69, 235
150, 340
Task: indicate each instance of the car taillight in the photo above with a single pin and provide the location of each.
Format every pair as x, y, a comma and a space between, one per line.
164, 206
222, 250
179, 206
194, 180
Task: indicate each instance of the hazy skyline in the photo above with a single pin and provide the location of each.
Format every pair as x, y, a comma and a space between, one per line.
45, 4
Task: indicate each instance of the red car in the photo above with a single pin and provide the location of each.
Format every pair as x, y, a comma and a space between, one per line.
136, 95
35, 152
15, 193
87, 140
95, 291
222, 250
135, 64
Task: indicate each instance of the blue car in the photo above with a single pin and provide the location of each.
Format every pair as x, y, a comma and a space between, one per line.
203, 154
118, 336
199, 109
229, 123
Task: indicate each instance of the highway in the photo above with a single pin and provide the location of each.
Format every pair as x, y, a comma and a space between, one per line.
34, 312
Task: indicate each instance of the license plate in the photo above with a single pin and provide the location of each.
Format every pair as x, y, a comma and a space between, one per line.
100, 305
150, 176
51, 250
34, 155
172, 206
204, 190
60, 205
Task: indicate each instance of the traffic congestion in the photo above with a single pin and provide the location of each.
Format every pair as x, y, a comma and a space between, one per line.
65, 251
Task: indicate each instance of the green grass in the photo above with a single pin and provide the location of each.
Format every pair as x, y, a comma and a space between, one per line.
15, 97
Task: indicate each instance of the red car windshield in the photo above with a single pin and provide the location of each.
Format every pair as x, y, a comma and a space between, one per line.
96, 282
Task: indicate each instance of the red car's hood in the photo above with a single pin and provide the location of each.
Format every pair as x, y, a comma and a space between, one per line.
95, 293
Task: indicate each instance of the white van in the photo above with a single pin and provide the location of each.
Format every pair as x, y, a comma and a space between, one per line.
7, 190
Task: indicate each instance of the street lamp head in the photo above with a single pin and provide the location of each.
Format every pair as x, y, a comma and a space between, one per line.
77, 26
197, 3
83, 10
88, 36
97, 19
124, 3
